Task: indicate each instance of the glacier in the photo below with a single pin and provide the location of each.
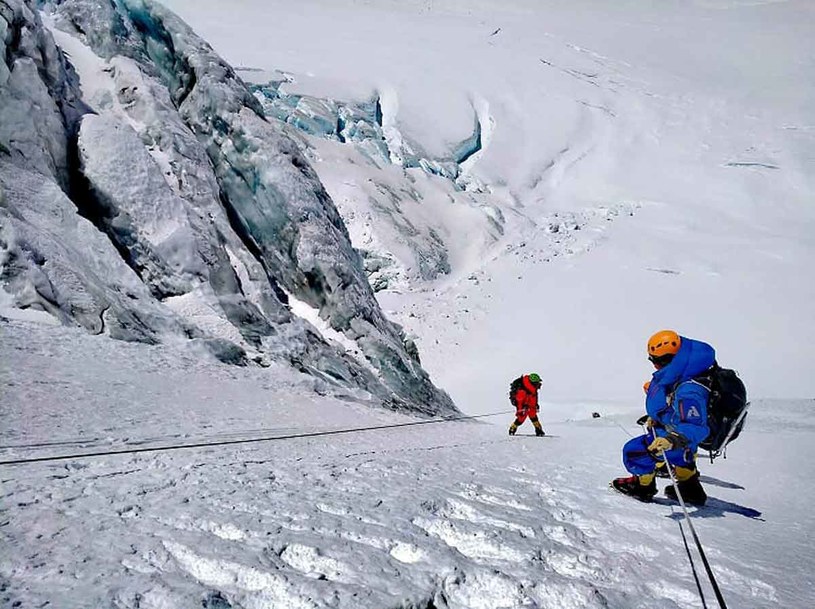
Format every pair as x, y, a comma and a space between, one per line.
148, 195
402, 245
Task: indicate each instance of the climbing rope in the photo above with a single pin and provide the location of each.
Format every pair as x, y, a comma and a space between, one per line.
628, 433
690, 559
711, 577
126, 451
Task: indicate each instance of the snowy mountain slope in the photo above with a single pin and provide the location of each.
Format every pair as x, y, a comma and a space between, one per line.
595, 110
157, 144
450, 515
634, 177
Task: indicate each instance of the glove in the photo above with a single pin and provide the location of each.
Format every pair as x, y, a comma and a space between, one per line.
660, 443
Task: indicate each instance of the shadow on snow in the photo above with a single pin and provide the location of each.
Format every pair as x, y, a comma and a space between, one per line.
713, 508
720, 483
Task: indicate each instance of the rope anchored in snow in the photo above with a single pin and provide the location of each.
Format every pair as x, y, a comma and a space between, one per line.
313, 434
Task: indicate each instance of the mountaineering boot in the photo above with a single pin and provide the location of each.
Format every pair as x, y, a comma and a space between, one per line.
513, 428
639, 487
690, 489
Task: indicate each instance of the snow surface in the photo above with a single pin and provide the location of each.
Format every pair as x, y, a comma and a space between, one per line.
453, 514
645, 165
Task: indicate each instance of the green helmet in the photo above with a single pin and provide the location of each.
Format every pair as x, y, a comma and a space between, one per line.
534, 378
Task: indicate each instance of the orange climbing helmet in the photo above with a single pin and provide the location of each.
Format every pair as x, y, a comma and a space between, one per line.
664, 342
662, 347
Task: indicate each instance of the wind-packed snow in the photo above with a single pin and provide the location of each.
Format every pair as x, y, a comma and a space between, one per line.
527, 186
452, 514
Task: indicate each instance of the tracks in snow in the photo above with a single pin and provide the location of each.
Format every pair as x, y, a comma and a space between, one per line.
437, 518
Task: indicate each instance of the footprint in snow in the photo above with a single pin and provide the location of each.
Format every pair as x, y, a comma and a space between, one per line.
458, 509
407, 553
311, 563
260, 587
473, 542
492, 498
482, 589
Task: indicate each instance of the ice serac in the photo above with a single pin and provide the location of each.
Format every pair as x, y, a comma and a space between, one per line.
143, 217
52, 259
202, 213
37, 97
407, 215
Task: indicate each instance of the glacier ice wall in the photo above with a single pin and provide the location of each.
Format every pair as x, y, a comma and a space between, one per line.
145, 194
395, 226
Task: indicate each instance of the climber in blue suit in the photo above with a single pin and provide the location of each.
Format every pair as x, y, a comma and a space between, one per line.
676, 407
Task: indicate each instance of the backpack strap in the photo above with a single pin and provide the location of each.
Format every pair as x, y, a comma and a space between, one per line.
703, 382
706, 379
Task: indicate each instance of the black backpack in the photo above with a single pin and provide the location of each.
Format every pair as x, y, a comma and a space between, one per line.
726, 408
518, 383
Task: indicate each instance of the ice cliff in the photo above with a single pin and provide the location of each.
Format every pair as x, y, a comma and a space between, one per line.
407, 213
146, 195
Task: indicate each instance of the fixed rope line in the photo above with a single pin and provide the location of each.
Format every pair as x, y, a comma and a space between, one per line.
690, 559
628, 433
698, 543
313, 434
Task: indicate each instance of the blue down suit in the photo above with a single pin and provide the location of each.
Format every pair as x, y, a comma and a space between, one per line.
676, 404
